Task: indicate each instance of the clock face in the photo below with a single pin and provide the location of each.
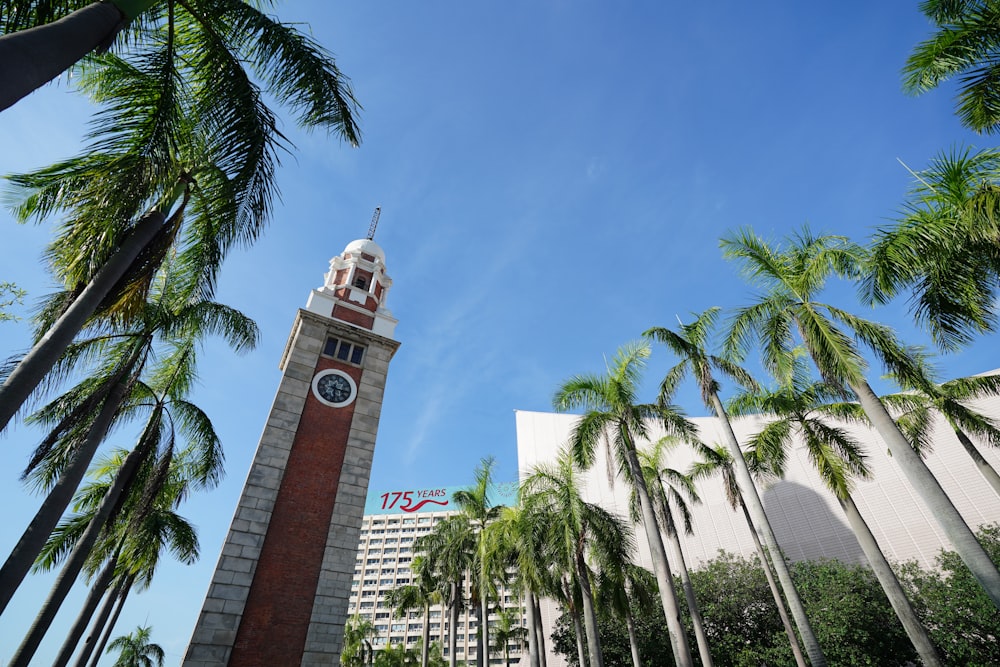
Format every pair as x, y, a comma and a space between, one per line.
334, 388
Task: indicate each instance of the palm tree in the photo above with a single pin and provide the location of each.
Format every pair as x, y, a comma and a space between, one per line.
424, 592
945, 249
82, 418
508, 629
357, 651
135, 649
613, 414
129, 550
717, 460
690, 344
923, 397
965, 45
669, 487
478, 509
169, 415
28, 61
790, 278
796, 408
517, 537
183, 119
107, 619
449, 549
619, 590
573, 530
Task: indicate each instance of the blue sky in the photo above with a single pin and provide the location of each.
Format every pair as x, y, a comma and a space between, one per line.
554, 177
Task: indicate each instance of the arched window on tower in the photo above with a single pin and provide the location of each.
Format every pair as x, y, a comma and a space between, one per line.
360, 283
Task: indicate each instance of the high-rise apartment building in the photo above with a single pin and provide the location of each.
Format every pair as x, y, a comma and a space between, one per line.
392, 523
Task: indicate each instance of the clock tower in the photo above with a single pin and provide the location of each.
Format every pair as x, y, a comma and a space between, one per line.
280, 590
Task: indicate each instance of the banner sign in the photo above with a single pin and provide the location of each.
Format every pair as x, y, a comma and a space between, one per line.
417, 500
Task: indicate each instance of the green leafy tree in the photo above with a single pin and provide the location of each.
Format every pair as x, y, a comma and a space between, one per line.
136, 650
965, 45
851, 617
785, 316
690, 343
958, 614
10, 295
742, 624
613, 414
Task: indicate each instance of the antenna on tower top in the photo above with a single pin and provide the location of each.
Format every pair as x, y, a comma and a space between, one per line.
371, 227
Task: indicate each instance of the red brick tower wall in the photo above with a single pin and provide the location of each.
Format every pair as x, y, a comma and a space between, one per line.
281, 599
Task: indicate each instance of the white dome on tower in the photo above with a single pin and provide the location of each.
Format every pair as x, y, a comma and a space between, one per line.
366, 246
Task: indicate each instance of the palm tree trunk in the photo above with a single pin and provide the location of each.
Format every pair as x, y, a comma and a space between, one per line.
32, 541
927, 487
453, 622
98, 634
484, 605
543, 656
97, 590
589, 615
984, 467
692, 602
664, 579
529, 606
479, 635
633, 640
425, 635
763, 525
67, 576
890, 584
793, 641
30, 371
581, 649
31, 58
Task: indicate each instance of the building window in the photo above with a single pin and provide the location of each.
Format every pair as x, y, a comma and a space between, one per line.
360, 282
344, 350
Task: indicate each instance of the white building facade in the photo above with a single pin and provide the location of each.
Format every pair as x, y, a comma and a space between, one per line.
807, 520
